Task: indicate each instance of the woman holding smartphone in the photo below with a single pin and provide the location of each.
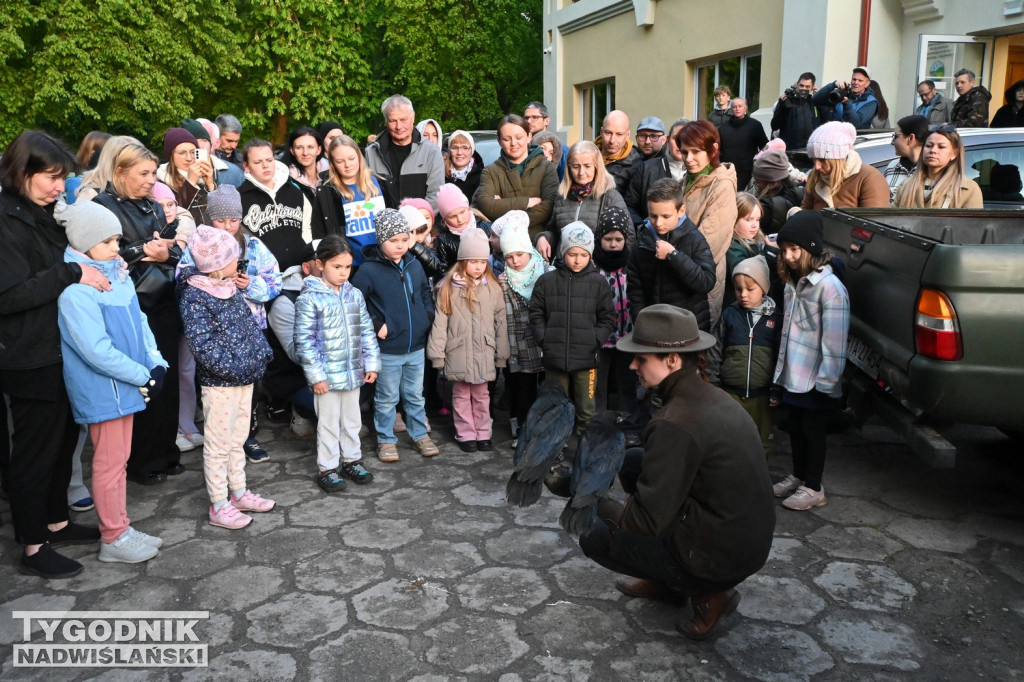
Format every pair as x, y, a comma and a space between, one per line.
188, 172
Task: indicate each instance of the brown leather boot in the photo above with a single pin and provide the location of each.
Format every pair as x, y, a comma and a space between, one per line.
708, 609
648, 589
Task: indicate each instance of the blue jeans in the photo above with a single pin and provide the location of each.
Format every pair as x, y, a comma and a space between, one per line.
400, 376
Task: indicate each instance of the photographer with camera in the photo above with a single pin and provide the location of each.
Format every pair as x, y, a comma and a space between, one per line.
853, 101
795, 116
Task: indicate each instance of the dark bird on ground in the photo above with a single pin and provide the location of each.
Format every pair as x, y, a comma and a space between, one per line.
549, 424
599, 456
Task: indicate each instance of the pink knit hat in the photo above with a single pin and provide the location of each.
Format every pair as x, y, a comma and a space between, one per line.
450, 198
162, 191
831, 140
421, 204
211, 248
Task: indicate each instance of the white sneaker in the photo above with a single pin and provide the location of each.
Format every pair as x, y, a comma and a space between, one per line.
804, 498
151, 540
127, 549
786, 486
184, 443
302, 427
197, 439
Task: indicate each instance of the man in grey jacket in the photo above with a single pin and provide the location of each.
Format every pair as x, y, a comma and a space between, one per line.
410, 165
934, 106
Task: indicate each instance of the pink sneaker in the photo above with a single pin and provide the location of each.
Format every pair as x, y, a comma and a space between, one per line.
251, 502
229, 517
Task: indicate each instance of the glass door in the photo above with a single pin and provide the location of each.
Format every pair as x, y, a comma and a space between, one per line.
941, 56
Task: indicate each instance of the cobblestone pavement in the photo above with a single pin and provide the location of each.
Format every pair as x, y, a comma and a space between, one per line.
426, 574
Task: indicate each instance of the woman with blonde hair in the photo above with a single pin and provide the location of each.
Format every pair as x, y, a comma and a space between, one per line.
840, 179
939, 180
463, 163
585, 191
95, 180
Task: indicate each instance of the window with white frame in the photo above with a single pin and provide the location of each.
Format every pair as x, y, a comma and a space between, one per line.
595, 101
740, 72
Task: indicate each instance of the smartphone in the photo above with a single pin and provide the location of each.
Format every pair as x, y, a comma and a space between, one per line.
200, 154
243, 266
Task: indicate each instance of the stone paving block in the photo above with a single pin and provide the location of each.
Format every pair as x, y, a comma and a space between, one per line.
364, 655
557, 669
236, 588
530, 548
869, 587
328, 511
194, 559
296, 619
440, 559
137, 511
940, 576
575, 629
580, 577
290, 543
191, 504
657, 617
924, 504
130, 675
410, 502
544, 514
148, 594
379, 533
854, 543
258, 666
1010, 531
477, 494
99, 576
339, 571
471, 522
1010, 560
401, 604
875, 641
668, 661
789, 552
475, 645
218, 629
11, 630
773, 653
438, 478
287, 492
438, 678
9, 672
853, 511
939, 535
510, 591
173, 530
781, 600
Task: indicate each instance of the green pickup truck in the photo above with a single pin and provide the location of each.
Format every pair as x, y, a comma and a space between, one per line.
937, 318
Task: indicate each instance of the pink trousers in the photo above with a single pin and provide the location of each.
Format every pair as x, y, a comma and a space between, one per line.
111, 445
471, 408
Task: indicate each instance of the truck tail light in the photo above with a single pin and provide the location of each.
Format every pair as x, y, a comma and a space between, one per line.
936, 328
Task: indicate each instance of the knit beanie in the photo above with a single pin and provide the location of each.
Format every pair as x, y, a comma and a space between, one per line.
175, 136
421, 204
389, 223
576, 234
224, 202
450, 198
87, 224
196, 128
466, 136
162, 191
755, 268
212, 249
513, 230
474, 245
613, 219
831, 140
804, 229
328, 126
413, 216
771, 166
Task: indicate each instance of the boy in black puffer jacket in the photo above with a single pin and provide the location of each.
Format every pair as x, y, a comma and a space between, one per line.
571, 316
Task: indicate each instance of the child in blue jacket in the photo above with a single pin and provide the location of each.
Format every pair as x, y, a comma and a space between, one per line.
111, 367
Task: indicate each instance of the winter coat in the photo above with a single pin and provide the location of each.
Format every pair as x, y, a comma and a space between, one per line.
857, 111
280, 217
446, 249
711, 205
32, 276
472, 181
795, 119
749, 350
222, 334
334, 337
472, 341
719, 116
284, 375
704, 489
108, 347
971, 109
741, 139
863, 187
738, 252
940, 110
1007, 116
524, 353
644, 175
812, 348
622, 168
398, 295
775, 209
571, 315
566, 211
539, 179
329, 217
683, 279
421, 174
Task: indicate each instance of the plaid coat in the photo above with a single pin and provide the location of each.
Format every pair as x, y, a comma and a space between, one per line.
525, 353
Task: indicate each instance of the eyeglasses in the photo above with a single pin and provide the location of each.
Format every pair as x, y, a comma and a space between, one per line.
942, 129
896, 136
649, 136
460, 148
534, 118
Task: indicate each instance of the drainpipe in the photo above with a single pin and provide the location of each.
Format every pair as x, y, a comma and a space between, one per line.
865, 29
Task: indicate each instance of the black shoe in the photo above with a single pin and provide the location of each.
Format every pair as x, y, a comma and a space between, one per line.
73, 534
633, 439
147, 477
279, 412
175, 470
557, 480
484, 445
254, 452
330, 482
47, 563
467, 445
356, 472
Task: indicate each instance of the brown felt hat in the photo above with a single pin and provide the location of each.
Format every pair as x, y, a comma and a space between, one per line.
663, 328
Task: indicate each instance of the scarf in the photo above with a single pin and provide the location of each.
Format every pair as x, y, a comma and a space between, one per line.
218, 288
623, 153
677, 169
610, 261
766, 308
693, 176
457, 231
462, 173
522, 281
580, 192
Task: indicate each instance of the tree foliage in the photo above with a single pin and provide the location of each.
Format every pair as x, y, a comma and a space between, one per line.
140, 66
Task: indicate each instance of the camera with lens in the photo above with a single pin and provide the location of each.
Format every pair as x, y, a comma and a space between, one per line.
797, 94
838, 95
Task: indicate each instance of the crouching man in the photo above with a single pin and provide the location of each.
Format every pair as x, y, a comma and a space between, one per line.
700, 514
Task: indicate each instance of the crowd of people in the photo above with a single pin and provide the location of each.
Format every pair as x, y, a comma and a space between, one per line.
681, 280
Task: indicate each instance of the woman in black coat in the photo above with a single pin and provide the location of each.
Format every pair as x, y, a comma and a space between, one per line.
147, 245
463, 164
32, 276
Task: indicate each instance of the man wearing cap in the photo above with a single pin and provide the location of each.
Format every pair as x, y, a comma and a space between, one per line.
742, 137
667, 164
858, 109
650, 137
699, 516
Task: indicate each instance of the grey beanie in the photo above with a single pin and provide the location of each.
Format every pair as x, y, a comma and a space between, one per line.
390, 222
756, 268
576, 234
771, 166
87, 224
223, 203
